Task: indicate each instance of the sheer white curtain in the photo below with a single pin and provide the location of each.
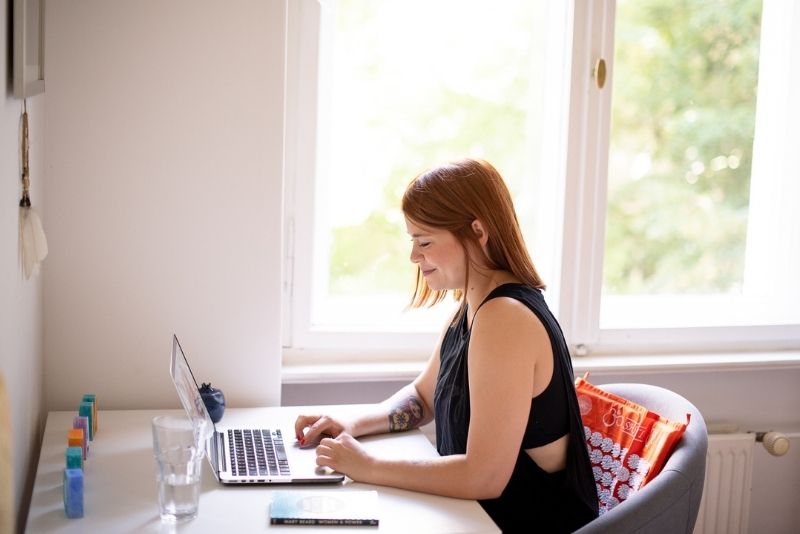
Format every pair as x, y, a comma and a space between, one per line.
773, 239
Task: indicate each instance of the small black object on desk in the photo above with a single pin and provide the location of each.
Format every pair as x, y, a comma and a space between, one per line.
214, 400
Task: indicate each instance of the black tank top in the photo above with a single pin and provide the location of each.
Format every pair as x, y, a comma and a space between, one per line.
548, 419
562, 501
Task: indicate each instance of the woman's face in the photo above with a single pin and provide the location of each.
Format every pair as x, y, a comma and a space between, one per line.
439, 255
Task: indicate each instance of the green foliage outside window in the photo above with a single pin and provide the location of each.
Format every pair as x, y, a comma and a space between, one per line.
421, 122
683, 110
681, 143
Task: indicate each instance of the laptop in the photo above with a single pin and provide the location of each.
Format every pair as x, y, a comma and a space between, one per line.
266, 454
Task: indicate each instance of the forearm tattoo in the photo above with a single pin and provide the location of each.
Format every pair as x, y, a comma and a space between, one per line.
405, 415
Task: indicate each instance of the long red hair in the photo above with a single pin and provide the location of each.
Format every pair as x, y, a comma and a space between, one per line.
450, 197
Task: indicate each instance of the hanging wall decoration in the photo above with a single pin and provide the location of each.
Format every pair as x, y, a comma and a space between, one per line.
32, 241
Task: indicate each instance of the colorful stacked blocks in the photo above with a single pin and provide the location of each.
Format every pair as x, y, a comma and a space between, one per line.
84, 428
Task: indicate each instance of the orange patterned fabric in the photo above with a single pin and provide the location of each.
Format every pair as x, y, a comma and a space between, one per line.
628, 444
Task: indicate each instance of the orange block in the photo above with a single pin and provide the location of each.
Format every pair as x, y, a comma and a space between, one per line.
75, 439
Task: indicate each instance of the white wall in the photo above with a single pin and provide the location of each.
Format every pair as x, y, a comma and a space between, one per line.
165, 152
20, 299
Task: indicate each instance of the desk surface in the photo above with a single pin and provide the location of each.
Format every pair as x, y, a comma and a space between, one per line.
120, 488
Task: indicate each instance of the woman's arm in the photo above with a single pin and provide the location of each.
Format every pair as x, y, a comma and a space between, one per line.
505, 344
410, 407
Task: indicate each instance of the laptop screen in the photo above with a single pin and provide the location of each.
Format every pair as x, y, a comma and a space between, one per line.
188, 391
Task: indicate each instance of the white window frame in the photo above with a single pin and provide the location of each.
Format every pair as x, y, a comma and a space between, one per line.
583, 197
584, 216
302, 341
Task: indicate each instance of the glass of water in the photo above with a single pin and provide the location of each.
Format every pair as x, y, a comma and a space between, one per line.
178, 449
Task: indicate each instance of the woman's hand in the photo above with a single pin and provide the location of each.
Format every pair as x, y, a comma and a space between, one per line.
309, 429
345, 455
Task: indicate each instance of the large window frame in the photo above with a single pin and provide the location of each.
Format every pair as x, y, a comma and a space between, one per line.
583, 244
582, 195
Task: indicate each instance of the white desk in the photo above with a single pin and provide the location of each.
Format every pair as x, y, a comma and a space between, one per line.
120, 488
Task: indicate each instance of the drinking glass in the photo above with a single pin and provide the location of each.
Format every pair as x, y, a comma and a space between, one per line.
178, 449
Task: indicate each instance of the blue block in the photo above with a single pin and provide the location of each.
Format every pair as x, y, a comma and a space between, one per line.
73, 493
74, 458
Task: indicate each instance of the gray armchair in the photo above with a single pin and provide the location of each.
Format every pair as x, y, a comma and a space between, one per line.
669, 503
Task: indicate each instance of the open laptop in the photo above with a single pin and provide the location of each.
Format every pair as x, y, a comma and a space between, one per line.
246, 455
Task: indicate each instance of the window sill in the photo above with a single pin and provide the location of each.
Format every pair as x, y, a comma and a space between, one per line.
406, 370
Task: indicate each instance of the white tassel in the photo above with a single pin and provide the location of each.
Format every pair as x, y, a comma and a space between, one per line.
33, 243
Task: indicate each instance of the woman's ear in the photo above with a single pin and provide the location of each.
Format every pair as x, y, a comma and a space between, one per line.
480, 232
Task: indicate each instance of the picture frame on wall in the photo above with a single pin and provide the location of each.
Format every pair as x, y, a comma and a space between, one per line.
28, 48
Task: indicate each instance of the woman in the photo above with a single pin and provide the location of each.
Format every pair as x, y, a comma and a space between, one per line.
499, 383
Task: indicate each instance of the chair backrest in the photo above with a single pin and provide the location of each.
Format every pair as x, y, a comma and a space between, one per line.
670, 502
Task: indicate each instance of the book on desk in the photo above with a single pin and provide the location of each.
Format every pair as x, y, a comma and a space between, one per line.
306, 507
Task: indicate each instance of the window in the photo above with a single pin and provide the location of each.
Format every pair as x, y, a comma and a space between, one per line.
659, 217
403, 86
698, 244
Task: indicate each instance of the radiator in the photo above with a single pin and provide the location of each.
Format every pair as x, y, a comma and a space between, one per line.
725, 506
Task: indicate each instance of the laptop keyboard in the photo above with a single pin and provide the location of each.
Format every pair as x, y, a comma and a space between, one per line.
257, 453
